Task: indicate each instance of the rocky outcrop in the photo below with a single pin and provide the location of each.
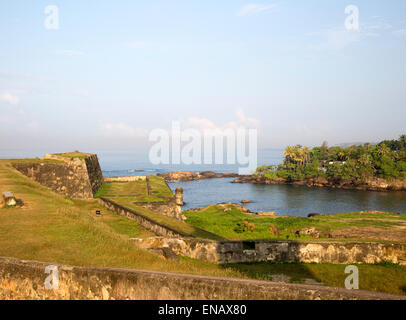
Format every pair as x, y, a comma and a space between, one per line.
190, 176
226, 207
376, 184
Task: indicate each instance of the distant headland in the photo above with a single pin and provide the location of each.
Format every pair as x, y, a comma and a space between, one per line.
379, 167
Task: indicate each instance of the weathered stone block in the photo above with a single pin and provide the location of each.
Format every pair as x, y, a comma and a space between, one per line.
9, 199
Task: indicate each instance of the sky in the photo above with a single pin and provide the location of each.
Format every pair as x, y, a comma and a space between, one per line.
115, 70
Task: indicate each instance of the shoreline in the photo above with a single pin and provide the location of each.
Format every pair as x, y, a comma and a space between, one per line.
374, 184
377, 184
193, 176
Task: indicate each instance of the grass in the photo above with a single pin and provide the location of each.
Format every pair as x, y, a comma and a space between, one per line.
120, 193
133, 188
74, 155
159, 187
137, 191
57, 229
31, 161
172, 223
387, 278
224, 223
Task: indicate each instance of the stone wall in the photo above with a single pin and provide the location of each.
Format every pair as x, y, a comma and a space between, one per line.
167, 208
26, 280
77, 178
146, 222
281, 251
94, 172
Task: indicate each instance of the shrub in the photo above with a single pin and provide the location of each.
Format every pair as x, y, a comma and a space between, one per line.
244, 226
274, 230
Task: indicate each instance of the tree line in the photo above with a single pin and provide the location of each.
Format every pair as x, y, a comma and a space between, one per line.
386, 159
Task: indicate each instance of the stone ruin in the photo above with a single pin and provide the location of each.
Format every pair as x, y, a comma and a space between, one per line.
78, 178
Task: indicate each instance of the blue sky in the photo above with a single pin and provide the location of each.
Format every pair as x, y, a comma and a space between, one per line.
116, 69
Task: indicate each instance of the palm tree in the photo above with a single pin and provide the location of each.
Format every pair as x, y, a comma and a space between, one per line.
297, 155
402, 141
341, 156
292, 154
305, 155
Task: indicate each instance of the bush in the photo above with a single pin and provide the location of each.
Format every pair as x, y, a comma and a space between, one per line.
244, 226
274, 230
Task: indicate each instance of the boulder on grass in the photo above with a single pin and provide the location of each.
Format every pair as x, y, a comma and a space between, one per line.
164, 252
270, 213
9, 199
312, 232
274, 230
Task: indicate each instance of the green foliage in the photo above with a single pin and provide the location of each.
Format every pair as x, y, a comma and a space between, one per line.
387, 160
312, 170
244, 226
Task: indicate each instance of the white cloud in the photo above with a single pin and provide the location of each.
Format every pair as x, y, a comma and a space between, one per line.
400, 33
4, 120
339, 37
335, 38
380, 26
9, 98
246, 121
33, 126
254, 8
122, 130
140, 45
242, 122
69, 52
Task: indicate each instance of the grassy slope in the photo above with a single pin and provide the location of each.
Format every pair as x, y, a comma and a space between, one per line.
223, 223
135, 189
55, 229
159, 187
120, 193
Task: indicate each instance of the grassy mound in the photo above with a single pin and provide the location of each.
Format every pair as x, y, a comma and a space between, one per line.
228, 222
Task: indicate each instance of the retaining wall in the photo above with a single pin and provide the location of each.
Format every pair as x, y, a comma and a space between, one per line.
168, 208
26, 280
281, 251
148, 223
